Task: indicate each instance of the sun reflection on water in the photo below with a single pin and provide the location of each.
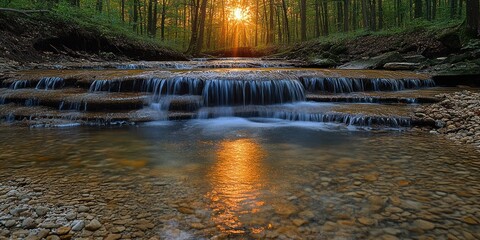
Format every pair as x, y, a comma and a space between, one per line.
237, 180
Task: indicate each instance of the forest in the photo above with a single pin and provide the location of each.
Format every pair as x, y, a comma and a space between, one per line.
193, 26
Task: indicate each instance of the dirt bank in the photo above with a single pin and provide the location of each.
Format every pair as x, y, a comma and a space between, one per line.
47, 39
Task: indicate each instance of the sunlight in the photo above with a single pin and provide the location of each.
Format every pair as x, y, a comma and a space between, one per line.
239, 14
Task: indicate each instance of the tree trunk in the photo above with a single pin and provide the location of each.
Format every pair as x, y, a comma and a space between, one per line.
303, 20
380, 14
271, 35
285, 19
162, 20
346, 6
123, 11
473, 17
99, 6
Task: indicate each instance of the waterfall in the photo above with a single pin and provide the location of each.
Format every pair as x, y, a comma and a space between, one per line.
249, 92
172, 86
17, 84
106, 85
50, 83
347, 85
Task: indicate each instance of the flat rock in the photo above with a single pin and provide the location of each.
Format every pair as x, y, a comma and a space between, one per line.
29, 223
113, 237
401, 66
78, 225
63, 230
41, 211
423, 224
93, 225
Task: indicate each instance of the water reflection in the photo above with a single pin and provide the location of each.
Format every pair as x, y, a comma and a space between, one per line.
237, 178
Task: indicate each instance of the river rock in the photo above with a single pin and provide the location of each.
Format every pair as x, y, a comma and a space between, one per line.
78, 225
83, 209
93, 225
29, 223
10, 223
63, 230
41, 211
113, 237
423, 225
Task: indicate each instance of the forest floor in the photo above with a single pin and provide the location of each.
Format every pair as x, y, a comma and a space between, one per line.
435, 49
45, 38
29, 41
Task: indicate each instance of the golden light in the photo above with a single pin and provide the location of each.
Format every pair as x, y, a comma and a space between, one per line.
239, 14
237, 178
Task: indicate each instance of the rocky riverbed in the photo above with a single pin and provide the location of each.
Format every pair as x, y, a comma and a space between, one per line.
194, 182
457, 116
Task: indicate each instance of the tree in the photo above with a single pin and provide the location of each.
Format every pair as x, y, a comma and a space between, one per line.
473, 17
303, 19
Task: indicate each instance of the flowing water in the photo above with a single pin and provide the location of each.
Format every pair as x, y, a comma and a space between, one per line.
259, 149
241, 178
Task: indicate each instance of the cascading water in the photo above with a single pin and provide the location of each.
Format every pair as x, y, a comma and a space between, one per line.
172, 86
50, 83
17, 84
106, 85
348, 85
210, 93
251, 92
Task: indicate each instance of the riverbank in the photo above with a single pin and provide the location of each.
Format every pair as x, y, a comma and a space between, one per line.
47, 38
457, 117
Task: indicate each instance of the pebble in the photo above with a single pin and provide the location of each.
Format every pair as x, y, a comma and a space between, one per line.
41, 211
63, 230
78, 225
82, 209
113, 237
29, 223
10, 223
423, 224
366, 221
93, 225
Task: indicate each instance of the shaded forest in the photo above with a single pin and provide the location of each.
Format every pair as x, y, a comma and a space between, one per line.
199, 25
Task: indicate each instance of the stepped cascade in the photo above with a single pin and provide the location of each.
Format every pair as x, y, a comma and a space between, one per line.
251, 88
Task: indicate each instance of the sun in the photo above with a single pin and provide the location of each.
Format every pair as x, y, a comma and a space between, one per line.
239, 14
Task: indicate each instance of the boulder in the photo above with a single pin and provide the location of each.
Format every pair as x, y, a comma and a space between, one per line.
322, 63
375, 62
401, 66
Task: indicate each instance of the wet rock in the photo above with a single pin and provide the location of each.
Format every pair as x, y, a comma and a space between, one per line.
401, 66
375, 62
93, 225
113, 236
63, 230
29, 223
41, 211
83, 209
78, 225
421, 224
470, 220
10, 223
366, 221
53, 237
70, 216
372, 177
117, 229
48, 225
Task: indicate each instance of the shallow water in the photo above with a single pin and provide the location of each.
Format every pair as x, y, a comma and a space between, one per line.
256, 178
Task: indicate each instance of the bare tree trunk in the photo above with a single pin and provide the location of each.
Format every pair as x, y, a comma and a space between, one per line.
162, 20
271, 35
285, 19
473, 17
303, 20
